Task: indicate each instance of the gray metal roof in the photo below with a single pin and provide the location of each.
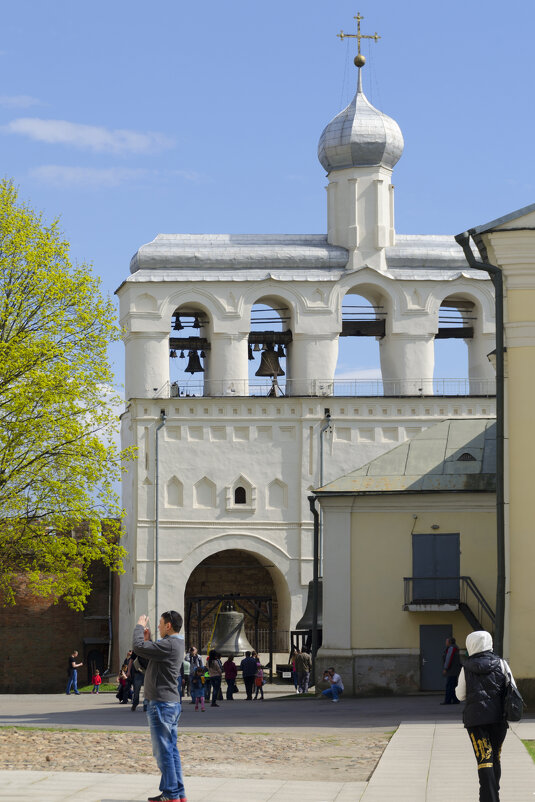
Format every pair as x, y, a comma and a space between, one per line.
500, 221
454, 455
254, 257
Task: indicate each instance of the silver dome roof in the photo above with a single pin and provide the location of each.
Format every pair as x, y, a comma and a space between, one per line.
360, 136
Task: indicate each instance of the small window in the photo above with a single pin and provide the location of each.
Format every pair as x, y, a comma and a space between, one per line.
240, 496
466, 457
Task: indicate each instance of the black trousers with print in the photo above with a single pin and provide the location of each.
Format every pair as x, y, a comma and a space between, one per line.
487, 743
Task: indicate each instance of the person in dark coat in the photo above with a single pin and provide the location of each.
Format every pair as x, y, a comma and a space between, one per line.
481, 685
248, 668
451, 667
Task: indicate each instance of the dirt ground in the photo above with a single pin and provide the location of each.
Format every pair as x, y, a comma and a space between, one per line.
261, 755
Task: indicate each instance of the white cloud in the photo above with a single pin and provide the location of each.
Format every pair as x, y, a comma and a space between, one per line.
102, 177
88, 137
19, 101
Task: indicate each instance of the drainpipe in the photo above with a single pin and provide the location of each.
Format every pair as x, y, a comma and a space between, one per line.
497, 279
326, 427
315, 585
156, 519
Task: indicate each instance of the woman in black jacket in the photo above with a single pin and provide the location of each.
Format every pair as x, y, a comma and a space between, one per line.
482, 684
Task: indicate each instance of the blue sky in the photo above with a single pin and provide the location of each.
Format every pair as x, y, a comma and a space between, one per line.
127, 119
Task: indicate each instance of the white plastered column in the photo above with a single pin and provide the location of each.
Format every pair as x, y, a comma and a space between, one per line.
227, 365
481, 373
407, 363
147, 363
311, 364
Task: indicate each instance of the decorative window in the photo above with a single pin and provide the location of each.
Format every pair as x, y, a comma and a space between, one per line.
241, 495
466, 457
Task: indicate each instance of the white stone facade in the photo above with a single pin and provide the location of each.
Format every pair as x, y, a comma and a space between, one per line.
230, 434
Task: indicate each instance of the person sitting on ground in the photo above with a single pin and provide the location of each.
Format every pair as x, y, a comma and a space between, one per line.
197, 688
335, 682
230, 670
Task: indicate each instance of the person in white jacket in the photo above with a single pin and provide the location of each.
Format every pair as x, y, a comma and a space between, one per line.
481, 685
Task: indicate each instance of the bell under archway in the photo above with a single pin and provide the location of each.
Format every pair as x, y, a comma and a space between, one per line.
229, 634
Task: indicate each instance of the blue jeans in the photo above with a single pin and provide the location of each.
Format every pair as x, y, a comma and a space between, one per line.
334, 691
163, 722
73, 682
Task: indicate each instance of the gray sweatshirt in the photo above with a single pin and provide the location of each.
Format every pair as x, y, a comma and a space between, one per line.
165, 658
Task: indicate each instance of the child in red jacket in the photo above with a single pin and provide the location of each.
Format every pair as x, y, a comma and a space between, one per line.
97, 679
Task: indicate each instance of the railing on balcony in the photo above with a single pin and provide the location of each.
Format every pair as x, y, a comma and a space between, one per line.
460, 592
353, 388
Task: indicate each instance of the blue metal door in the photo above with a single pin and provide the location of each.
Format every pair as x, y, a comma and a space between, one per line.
432, 645
435, 567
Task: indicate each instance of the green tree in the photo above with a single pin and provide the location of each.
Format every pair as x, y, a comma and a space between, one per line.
59, 463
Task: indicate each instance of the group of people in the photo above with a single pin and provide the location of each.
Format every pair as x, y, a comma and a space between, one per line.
481, 682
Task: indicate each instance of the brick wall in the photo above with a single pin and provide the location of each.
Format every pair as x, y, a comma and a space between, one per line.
38, 636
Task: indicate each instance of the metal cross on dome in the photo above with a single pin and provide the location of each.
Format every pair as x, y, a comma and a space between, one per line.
358, 35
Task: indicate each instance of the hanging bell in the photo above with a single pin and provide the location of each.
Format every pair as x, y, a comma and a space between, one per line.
269, 363
178, 325
251, 356
280, 351
196, 322
182, 355
194, 363
256, 347
306, 621
229, 634
202, 355
172, 354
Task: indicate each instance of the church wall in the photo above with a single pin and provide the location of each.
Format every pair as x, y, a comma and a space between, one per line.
269, 445
368, 552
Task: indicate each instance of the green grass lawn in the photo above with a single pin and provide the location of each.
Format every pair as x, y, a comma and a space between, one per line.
530, 746
106, 687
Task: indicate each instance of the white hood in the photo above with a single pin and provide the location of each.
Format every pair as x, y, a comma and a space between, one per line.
479, 642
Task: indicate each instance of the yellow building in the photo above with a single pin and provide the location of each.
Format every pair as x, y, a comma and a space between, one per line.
409, 558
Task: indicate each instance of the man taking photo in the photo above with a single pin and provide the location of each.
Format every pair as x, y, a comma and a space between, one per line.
163, 701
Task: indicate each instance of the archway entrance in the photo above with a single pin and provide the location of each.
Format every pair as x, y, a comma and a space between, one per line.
239, 573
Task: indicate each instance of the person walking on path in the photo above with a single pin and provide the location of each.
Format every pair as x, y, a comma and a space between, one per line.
197, 688
293, 655
97, 680
230, 670
73, 674
248, 669
303, 665
451, 666
481, 685
336, 684
161, 695
216, 673
136, 672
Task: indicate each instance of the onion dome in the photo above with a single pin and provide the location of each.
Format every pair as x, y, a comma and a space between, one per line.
360, 136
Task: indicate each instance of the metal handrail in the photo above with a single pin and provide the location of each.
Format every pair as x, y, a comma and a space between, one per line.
466, 587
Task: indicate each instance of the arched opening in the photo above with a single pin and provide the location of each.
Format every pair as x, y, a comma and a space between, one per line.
358, 371
240, 495
189, 350
237, 572
457, 320
270, 337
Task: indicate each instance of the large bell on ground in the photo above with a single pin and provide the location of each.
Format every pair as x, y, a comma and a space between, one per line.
269, 363
229, 634
194, 363
306, 621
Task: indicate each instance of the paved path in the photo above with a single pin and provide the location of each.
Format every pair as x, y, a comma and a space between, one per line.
429, 759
